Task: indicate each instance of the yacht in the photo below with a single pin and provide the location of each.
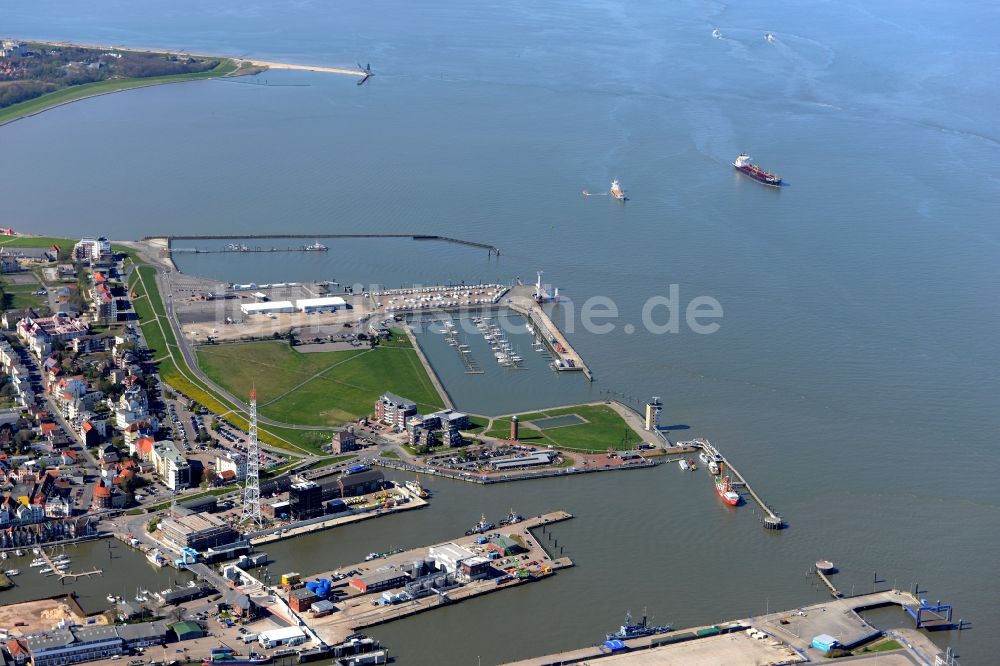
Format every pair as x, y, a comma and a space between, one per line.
12, 572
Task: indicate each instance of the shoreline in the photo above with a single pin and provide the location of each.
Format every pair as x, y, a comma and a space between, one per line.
69, 95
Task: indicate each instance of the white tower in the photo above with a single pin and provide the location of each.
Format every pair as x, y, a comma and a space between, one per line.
653, 408
251, 491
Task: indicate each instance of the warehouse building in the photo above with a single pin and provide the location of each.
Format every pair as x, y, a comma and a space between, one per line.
269, 307
518, 462
380, 580
301, 599
447, 556
323, 304
199, 531
352, 485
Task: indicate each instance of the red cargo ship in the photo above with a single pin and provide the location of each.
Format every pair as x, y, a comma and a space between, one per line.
743, 164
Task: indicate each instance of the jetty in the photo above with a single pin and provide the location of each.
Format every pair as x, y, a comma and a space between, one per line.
490, 249
521, 300
769, 519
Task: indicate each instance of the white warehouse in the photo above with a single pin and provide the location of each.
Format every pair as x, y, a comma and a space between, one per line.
324, 304
269, 307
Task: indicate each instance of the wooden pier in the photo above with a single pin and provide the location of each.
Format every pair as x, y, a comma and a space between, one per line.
63, 575
837, 594
491, 249
770, 519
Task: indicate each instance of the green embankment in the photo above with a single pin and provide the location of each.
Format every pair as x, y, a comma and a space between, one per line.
604, 429
321, 388
73, 93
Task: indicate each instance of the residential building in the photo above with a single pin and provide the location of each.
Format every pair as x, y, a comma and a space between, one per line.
107, 496
344, 442
394, 410
232, 462
40, 334
95, 251
171, 465
102, 300
74, 645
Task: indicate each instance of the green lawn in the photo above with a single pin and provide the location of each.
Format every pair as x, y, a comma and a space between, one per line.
392, 455
323, 388
604, 429
19, 296
73, 93
883, 646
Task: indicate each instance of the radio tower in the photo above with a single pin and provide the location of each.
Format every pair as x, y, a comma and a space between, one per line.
251, 491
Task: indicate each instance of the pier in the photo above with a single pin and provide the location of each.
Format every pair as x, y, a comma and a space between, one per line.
490, 249
779, 638
358, 610
521, 300
63, 575
769, 519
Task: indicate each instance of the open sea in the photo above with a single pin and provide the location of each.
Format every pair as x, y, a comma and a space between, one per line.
854, 375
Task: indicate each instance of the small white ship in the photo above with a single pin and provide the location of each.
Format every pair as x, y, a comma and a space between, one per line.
315, 247
156, 558
769, 38
616, 190
717, 33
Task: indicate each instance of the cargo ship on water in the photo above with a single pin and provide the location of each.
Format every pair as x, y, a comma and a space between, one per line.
724, 487
744, 165
616, 190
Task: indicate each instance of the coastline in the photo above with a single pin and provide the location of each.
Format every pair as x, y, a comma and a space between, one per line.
228, 66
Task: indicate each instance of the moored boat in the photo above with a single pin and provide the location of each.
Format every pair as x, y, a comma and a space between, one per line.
713, 468
630, 629
482, 526
512, 518
684, 465
724, 487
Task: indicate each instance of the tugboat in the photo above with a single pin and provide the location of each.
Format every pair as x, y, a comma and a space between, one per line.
639, 629
616, 190
742, 164
512, 518
724, 487
481, 527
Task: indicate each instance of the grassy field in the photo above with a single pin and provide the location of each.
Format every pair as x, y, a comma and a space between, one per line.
604, 429
161, 341
74, 93
324, 388
19, 296
881, 646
